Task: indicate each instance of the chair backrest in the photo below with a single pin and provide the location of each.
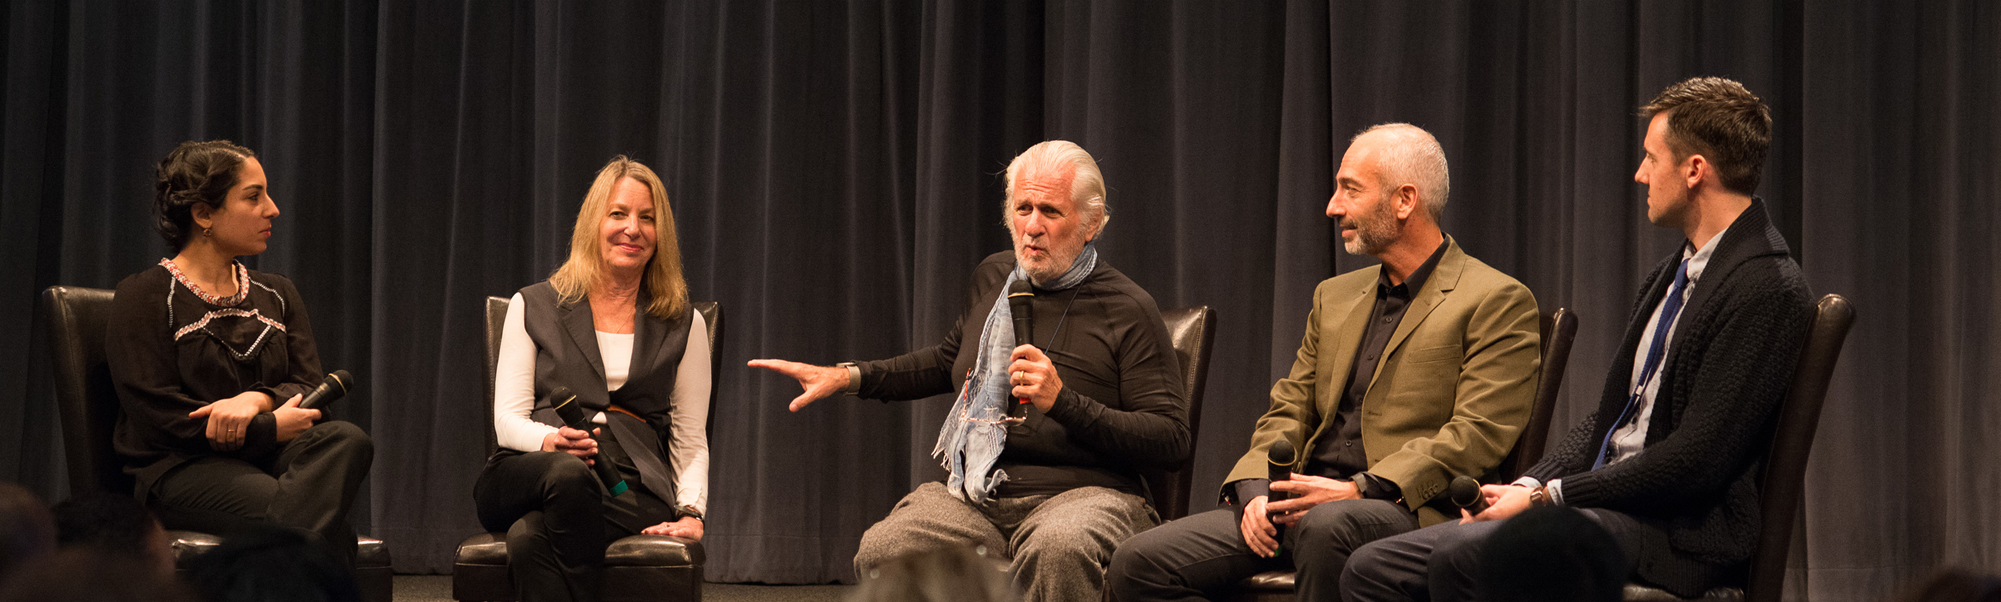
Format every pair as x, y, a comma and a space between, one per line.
1192, 331
1792, 439
73, 321
496, 321
1559, 328
712, 312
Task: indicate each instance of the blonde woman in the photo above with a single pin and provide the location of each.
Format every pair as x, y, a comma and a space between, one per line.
612, 325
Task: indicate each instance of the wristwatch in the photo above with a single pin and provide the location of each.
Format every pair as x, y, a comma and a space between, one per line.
691, 511
854, 378
1539, 496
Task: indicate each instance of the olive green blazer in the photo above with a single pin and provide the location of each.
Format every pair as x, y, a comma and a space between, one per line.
1452, 393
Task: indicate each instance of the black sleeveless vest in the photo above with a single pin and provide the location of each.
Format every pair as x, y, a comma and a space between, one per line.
566, 355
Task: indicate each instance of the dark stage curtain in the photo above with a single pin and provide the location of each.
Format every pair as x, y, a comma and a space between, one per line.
1901, 210
95, 95
833, 172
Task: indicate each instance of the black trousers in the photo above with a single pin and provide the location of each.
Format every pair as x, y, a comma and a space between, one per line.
1442, 562
1204, 555
559, 520
308, 484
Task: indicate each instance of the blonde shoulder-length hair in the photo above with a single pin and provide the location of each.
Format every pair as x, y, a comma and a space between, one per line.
585, 269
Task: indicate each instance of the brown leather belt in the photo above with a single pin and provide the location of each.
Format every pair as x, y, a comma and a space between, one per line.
615, 408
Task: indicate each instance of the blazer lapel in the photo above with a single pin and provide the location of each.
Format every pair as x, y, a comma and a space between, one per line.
1347, 335
1443, 279
576, 320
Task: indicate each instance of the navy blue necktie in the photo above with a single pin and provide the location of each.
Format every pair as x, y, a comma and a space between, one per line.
1668, 314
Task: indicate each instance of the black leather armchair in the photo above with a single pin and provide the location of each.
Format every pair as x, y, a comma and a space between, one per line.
1559, 330
73, 320
638, 567
1192, 331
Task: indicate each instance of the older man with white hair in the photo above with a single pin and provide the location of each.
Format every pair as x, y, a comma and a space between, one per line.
1057, 490
1411, 372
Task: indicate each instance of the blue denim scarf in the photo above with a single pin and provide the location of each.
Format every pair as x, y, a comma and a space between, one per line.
973, 435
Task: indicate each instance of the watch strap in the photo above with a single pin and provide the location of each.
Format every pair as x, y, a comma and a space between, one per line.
1539, 496
854, 378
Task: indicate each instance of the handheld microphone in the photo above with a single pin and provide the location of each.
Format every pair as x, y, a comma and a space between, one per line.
331, 389
1465, 493
1280, 455
572, 414
1020, 296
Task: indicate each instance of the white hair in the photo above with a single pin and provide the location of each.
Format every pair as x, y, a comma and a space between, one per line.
1087, 184
1413, 157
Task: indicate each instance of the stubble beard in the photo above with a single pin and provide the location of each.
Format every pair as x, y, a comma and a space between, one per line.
1057, 262
1372, 235
1054, 267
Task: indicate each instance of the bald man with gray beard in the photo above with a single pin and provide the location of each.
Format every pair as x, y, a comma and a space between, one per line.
1410, 373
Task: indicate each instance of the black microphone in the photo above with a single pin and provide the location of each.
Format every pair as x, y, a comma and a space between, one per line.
1465, 493
1019, 297
1280, 456
572, 414
330, 390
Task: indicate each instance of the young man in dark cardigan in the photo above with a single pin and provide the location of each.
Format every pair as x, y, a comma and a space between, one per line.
1668, 462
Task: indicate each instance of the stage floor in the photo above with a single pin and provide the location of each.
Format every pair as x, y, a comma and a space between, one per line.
438, 588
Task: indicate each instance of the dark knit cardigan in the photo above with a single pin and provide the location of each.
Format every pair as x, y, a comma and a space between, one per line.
1733, 353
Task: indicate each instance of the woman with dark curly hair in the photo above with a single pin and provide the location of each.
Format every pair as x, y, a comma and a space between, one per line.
210, 360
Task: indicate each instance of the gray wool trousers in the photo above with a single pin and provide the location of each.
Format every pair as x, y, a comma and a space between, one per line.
1057, 546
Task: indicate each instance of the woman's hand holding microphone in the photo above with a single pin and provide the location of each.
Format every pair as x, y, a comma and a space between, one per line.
571, 441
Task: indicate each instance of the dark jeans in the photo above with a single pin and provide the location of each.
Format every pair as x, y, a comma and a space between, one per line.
1203, 556
1441, 562
308, 484
559, 520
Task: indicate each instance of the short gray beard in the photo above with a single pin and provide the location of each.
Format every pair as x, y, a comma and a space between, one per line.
1056, 267
1372, 236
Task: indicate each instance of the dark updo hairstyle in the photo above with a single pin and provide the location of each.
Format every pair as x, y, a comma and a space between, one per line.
194, 172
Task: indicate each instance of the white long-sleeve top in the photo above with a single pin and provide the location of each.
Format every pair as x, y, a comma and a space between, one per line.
688, 445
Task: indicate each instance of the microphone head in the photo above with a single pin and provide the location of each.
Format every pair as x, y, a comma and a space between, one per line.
1020, 287
331, 389
1464, 491
1280, 453
1020, 303
342, 380
564, 402
1280, 469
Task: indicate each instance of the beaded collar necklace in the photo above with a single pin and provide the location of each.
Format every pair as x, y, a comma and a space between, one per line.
242, 284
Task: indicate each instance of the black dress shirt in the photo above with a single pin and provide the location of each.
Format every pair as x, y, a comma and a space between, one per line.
1338, 452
